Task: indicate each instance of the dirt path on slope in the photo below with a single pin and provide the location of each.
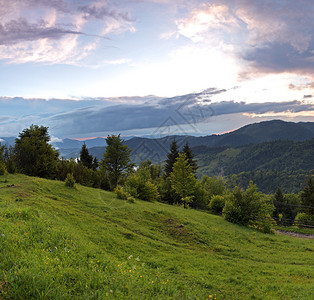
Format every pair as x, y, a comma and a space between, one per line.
296, 234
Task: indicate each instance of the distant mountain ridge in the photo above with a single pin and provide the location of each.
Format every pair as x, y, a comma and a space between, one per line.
271, 153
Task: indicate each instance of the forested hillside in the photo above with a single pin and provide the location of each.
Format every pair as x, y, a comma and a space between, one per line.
269, 165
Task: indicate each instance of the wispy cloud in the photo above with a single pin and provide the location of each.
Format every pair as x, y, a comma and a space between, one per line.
58, 30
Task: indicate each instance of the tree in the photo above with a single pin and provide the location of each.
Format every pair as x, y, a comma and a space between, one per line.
278, 203
171, 158
2, 164
33, 153
85, 158
307, 196
190, 157
182, 179
248, 207
116, 162
10, 160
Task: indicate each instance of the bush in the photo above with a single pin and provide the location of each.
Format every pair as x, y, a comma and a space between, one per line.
304, 220
217, 204
69, 181
248, 208
186, 201
131, 199
121, 193
136, 186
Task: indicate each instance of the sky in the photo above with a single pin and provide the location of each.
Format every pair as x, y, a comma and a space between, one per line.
147, 67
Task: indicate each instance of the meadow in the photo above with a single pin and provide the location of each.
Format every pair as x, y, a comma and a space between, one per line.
58, 242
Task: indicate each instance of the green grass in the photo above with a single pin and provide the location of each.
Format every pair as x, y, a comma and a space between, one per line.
57, 242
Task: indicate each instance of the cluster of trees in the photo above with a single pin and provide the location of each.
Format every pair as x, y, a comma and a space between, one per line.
175, 183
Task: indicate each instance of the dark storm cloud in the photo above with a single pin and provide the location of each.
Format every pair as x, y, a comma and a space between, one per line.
182, 110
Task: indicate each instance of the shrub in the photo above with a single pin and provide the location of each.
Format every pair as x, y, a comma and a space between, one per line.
217, 204
248, 207
136, 186
303, 220
121, 193
69, 181
131, 199
187, 200
149, 192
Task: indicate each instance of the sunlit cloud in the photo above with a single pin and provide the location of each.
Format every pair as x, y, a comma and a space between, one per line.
287, 114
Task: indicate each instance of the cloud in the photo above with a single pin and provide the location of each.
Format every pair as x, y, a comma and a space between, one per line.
16, 31
60, 31
268, 36
175, 112
186, 114
288, 114
209, 17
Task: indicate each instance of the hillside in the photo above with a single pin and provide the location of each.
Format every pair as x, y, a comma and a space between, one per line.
63, 243
269, 164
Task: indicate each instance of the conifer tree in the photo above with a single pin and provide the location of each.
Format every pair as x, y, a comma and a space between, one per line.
182, 179
171, 158
190, 157
307, 196
85, 158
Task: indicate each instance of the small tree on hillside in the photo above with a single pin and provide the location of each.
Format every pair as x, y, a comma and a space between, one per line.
183, 180
116, 162
171, 158
307, 196
2, 164
278, 202
190, 157
33, 153
248, 207
85, 158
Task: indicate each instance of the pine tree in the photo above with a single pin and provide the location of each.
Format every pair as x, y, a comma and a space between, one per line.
85, 158
95, 164
190, 157
307, 196
182, 179
171, 158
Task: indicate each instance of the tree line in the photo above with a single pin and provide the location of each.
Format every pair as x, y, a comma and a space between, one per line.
174, 183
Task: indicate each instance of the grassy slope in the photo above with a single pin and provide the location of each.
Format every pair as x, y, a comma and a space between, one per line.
62, 243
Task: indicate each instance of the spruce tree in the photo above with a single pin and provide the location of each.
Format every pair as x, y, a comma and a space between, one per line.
190, 157
182, 179
85, 158
307, 196
278, 203
171, 158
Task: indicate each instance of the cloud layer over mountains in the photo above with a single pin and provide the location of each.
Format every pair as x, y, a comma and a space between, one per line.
187, 114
